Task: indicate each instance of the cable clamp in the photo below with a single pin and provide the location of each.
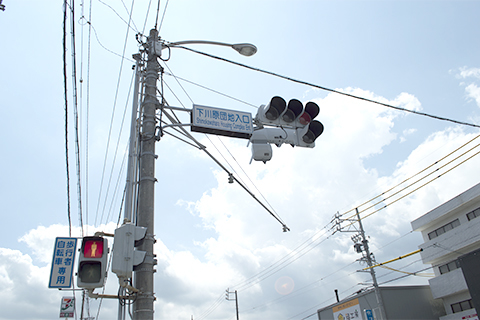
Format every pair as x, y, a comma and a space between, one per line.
149, 153
148, 179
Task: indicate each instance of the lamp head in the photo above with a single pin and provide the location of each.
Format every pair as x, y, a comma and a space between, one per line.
246, 49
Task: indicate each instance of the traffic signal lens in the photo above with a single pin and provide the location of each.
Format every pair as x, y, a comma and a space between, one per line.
294, 108
275, 108
93, 248
90, 271
311, 111
314, 131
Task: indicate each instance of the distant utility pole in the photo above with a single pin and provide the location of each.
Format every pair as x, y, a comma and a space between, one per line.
368, 258
361, 246
143, 306
227, 296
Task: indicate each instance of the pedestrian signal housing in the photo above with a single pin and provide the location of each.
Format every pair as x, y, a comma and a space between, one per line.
92, 263
125, 256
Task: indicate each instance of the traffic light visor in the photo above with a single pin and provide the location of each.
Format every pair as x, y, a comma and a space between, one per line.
314, 131
275, 108
294, 109
93, 247
311, 111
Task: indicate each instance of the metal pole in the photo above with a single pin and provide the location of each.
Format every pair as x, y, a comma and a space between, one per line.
132, 149
236, 302
143, 308
372, 271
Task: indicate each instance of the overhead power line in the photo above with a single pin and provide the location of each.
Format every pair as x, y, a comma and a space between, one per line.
65, 95
434, 171
331, 90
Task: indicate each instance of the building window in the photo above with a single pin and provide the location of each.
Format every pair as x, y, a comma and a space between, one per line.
449, 267
449, 226
472, 215
462, 306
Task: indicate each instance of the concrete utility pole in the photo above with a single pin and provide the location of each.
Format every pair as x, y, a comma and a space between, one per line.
143, 306
372, 271
236, 300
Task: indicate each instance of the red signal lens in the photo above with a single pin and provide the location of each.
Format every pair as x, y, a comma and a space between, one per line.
93, 248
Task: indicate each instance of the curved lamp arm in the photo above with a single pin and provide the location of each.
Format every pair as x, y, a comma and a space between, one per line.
246, 49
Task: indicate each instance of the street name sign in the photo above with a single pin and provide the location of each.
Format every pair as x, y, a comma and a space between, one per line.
222, 122
62, 263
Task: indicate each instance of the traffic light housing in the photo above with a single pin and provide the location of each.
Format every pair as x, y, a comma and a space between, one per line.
92, 263
297, 123
125, 256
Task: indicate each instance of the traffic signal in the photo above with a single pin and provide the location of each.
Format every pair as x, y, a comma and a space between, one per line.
92, 264
125, 256
305, 130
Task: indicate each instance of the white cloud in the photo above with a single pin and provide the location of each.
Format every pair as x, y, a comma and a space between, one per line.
306, 187
22, 283
469, 72
473, 92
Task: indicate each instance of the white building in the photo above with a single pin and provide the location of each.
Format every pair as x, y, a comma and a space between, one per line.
449, 232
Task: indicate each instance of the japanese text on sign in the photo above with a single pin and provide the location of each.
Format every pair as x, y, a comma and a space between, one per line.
62, 263
349, 310
222, 119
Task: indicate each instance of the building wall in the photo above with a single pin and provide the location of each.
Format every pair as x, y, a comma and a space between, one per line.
403, 302
450, 231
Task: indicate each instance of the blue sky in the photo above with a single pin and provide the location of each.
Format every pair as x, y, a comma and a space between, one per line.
421, 55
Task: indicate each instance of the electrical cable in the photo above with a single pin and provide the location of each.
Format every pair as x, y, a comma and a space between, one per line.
421, 171
118, 15
212, 307
274, 214
88, 118
101, 44
302, 290
115, 191
285, 228
158, 10
280, 264
163, 16
241, 168
65, 96
130, 14
211, 90
407, 275
146, 16
330, 90
116, 149
75, 113
409, 193
111, 122
365, 216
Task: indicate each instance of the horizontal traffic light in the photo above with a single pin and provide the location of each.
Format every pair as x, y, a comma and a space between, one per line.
278, 113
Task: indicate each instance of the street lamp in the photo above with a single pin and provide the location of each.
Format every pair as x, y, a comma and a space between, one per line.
246, 49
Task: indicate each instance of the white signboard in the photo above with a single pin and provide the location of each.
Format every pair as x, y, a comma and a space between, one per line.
349, 310
222, 121
62, 263
67, 308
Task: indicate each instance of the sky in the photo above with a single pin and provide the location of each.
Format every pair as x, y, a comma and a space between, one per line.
212, 235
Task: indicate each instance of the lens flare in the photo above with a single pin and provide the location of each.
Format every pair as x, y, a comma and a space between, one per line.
284, 285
